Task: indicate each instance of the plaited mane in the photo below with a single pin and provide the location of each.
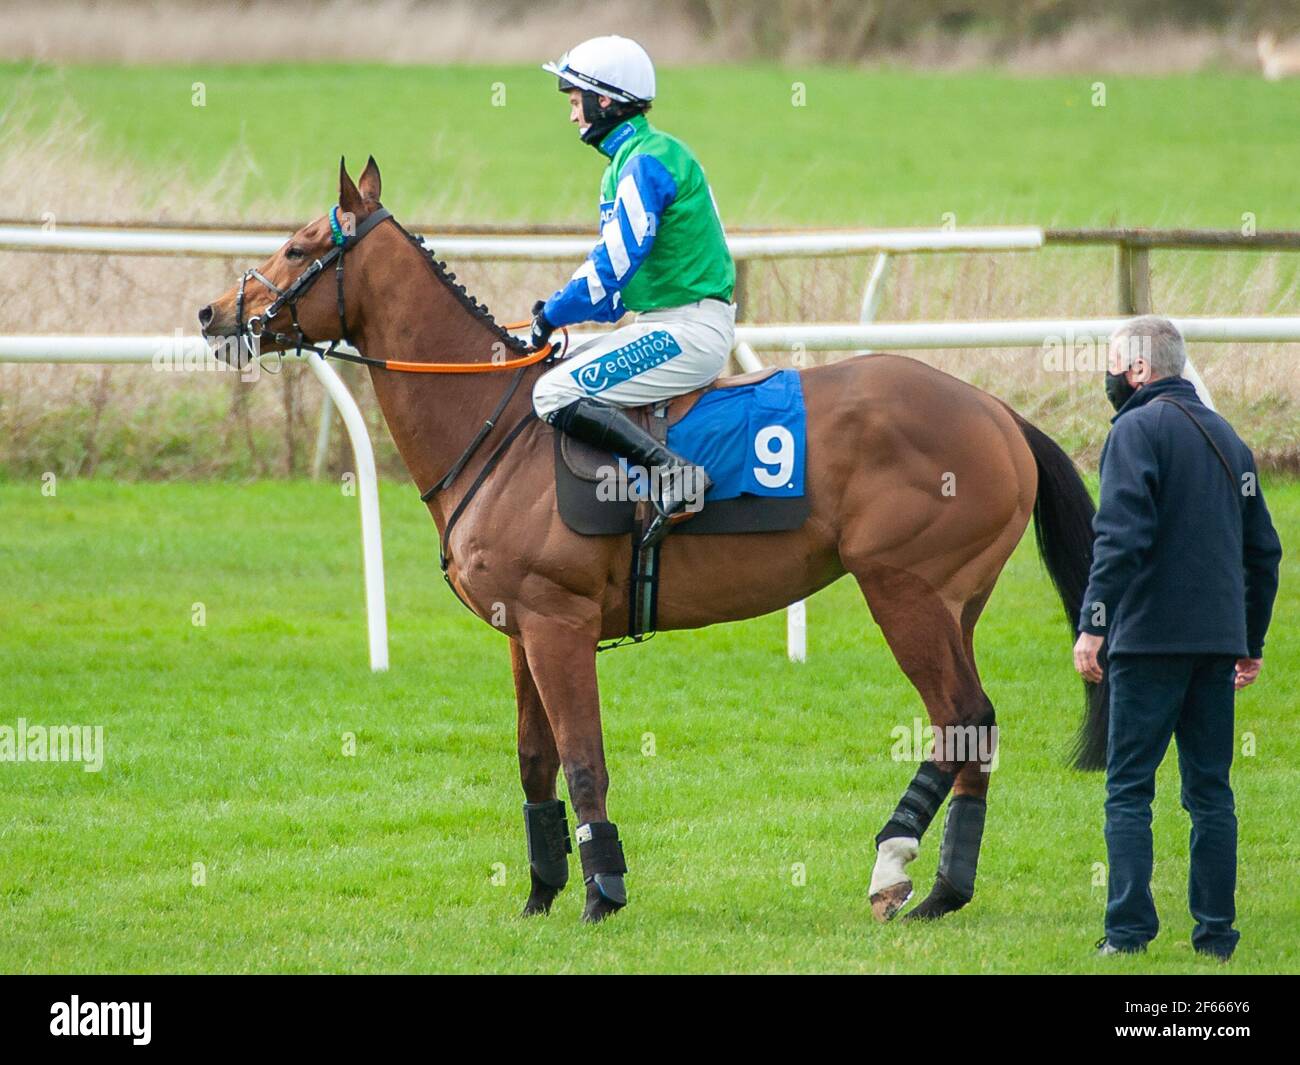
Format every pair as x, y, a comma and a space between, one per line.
479, 310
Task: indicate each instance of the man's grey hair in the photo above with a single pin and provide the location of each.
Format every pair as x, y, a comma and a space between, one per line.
1157, 340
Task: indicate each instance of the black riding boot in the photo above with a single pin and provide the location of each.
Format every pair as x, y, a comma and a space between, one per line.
608, 428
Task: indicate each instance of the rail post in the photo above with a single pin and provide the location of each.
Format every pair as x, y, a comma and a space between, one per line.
1133, 278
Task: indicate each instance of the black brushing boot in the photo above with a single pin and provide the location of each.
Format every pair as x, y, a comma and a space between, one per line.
959, 854
549, 847
608, 428
602, 869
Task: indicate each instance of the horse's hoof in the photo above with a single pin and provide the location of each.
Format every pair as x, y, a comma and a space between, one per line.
539, 899
536, 907
941, 900
597, 911
601, 904
886, 902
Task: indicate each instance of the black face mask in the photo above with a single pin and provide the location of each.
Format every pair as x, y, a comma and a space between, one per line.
1118, 390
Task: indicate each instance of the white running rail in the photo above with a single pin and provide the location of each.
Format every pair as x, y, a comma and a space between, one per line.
179, 354
163, 351
57, 238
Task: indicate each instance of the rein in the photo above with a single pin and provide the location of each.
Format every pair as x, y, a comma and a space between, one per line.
254, 330
522, 363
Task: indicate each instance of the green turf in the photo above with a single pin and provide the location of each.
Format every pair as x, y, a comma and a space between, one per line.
866, 148
224, 746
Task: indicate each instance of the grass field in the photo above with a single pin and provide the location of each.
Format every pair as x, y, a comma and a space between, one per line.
894, 148
226, 742
224, 746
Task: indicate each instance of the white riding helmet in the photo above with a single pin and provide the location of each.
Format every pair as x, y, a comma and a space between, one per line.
611, 66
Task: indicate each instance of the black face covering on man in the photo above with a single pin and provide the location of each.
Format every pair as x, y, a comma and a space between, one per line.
1118, 390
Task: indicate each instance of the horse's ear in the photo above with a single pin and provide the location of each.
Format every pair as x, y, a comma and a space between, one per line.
370, 183
349, 198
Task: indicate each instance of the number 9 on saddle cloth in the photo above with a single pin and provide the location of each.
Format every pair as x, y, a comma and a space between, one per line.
751, 437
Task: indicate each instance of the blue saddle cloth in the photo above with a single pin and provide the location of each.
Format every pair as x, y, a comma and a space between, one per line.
751, 439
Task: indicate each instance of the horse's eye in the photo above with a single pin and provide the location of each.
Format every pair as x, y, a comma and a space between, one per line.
294, 252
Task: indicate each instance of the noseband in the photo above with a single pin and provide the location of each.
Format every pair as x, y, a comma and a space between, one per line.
254, 329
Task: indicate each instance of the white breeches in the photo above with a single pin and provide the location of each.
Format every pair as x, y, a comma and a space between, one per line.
662, 354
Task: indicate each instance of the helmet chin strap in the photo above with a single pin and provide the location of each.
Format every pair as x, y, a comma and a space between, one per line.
601, 122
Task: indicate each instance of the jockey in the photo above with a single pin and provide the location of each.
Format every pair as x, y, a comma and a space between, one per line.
663, 254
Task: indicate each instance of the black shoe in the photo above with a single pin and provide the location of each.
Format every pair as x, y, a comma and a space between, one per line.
1105, 949
609, 429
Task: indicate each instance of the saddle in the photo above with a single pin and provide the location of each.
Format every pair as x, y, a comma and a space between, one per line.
580, 468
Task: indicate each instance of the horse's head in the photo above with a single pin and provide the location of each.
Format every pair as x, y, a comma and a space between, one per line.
288, 301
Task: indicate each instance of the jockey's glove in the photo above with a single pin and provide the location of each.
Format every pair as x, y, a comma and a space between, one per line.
542, 329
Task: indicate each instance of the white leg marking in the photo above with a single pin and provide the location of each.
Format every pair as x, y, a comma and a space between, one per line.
892, 858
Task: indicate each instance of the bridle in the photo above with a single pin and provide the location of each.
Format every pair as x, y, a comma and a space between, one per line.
254, 329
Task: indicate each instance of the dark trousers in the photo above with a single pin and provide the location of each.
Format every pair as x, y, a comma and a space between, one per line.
1154, 697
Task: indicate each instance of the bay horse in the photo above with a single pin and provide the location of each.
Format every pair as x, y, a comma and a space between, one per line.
920, 486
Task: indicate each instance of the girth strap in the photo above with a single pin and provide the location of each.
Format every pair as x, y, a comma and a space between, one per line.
444, 552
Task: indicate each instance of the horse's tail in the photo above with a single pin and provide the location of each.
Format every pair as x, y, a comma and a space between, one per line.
1063, 513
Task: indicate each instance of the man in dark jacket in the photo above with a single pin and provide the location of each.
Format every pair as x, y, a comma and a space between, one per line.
1184, 573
